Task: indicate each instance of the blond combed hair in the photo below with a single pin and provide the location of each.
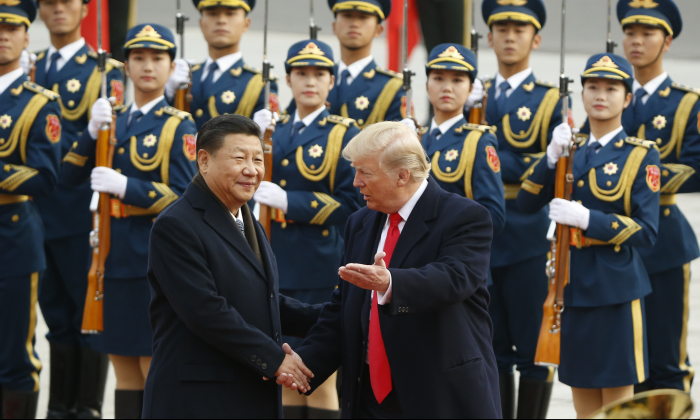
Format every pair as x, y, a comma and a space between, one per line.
396, 146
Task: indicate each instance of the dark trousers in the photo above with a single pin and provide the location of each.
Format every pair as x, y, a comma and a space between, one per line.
667, 330
517, 295
63, 288
19, 362
369, 407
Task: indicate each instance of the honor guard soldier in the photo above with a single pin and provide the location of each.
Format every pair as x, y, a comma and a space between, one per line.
461, 153
312, 197
614, 211
153, 164
666, 113
224, 83
524, 112
69, 68
363, 91
30, 153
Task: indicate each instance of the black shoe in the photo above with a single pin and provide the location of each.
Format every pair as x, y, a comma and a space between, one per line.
643, 387
506, 382
91, 388
64, 373
19, 404
533, 398
128, 404
295, 412
317, 413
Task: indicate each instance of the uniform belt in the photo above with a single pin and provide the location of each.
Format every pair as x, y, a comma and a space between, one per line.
6, 199
668, 199
122, 211
512, 191
580, 241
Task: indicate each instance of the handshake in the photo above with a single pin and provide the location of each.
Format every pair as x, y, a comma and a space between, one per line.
293, 373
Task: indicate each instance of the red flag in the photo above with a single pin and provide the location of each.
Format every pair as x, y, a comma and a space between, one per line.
394, 26
89, 28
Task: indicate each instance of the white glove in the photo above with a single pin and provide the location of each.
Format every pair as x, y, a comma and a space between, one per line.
101, 113
476, 96
106, 180
180, 76
265, 118
272, 195
569, 213
408, 122
561, 141
26, 61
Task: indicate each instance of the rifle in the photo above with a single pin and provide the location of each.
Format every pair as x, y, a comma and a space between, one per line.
610, 46
265, 216
549, 343
183, 95
100, 237
477, 113
313, 28
407, 73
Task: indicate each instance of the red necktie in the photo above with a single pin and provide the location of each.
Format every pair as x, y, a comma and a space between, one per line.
379, 370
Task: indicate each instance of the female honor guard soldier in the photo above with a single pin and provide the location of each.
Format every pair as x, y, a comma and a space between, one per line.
314, 195
69, 68
461, 152
153, 164
30, 152
616, 192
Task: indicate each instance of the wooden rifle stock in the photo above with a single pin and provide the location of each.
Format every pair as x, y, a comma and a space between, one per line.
549, 343
477, 113
183, 98
266, 211
100, 239
32, 74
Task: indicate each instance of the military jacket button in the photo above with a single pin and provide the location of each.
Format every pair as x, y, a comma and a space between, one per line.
15, 218
283, 183
581, 183
254, 358
264, 366
285, 162
121, 151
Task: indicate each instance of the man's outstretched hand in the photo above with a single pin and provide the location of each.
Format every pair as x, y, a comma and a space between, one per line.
369, 277
293, 373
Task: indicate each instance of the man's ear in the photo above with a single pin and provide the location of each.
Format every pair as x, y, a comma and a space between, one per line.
203, 158
289, 81
404, 177
490, 38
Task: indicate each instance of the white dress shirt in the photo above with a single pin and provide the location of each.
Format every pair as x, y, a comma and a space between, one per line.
8, 79
66, 52
309, 119
355, 69
515, 80
605, 139
445, 127
225, 63
650, 87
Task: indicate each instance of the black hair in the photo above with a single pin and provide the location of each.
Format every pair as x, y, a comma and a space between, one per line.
213, 133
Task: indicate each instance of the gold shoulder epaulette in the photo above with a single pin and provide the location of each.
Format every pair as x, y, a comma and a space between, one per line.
545, 83
257, 71
177, 113
336, 119
389, 73
641, 143
284, 119
196, 67
422, 131
38, 89
581, 138
120, 108
487, 83
472, 127
685, 88
40, 54
116, 63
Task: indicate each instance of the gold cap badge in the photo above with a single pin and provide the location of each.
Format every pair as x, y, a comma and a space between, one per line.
606, 62
512, 2
9, 2
147, 32
312, 49
644, 4
451, 52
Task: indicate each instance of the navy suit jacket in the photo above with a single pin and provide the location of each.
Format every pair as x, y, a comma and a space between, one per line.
437, 327
215, 313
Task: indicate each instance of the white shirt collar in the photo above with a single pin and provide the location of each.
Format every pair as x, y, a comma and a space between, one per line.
407, 209
238, 216
515, 80
309, 119
445, 127
355, 68
650, 87
605, 139
146, 108
8, 79
225, 63
66, 52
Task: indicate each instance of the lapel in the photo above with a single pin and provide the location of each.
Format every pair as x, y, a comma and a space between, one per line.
449, 139
520, 96
312, 132
122, 120
656, 104
227, 80
41, 68
282, 136
222, 223
150, 122
197, 82
605, 155
9, 100
358, 86
72, 66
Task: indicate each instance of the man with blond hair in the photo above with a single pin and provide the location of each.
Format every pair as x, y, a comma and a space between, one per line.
409, 322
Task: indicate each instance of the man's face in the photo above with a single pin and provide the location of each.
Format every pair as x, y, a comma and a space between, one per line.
223, 26
448, 89
62, 16
13, 39
355, 29
149, 69
513, 41
605, 99
378, 188
644, 44
310, 85
235, 172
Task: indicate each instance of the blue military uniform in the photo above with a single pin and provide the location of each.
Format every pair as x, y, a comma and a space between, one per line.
670, 119
30, 131
308, 240
239, 89
603, 342
157, 153
523, 124
465, 158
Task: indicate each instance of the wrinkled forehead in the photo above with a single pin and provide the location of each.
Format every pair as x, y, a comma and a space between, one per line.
245, 143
